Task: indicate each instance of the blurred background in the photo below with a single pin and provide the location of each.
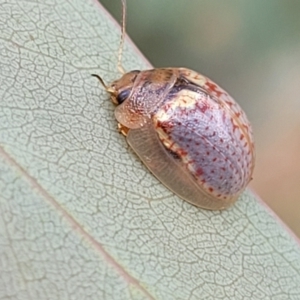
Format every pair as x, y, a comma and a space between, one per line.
251, 49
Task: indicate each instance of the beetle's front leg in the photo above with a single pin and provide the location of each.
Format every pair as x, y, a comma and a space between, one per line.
123, 129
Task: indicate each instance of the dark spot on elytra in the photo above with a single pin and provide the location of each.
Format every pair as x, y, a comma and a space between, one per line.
173, 154
183, 83
166, 127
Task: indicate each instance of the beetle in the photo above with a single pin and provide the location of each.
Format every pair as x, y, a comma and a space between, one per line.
187, 130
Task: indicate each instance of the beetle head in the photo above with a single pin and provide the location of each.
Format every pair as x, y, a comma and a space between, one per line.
120, 89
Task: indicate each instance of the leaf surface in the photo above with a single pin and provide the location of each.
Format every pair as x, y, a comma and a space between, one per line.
80, 216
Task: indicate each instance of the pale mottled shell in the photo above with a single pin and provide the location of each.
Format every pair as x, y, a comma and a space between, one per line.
191, 134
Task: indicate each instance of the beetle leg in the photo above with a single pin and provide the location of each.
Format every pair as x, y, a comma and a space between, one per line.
123, 129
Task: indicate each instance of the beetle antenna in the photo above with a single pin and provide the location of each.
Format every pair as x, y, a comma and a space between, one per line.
107, 88
101, 81
120, 52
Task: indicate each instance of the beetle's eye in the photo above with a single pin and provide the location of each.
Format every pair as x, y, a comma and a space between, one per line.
123, 96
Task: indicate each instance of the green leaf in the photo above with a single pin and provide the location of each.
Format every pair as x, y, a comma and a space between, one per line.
80, 216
